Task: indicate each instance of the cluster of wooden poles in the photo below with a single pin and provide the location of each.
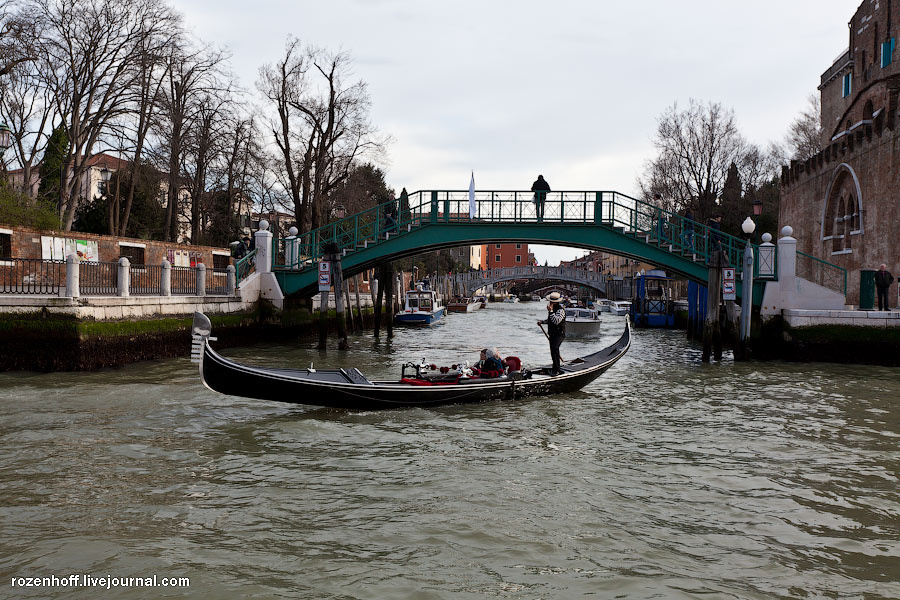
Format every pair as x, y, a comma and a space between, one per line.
385, 299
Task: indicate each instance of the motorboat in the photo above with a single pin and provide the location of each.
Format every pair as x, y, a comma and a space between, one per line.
462, 305
582, 321
419, 384
602, 305
421, 306
480, 301
619, 307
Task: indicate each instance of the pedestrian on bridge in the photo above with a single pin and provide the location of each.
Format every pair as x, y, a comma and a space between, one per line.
556, 324
540, 188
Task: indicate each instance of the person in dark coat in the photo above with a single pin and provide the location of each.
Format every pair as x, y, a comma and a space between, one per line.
540, 188
404, 206
883, 280
715, 232
556, 325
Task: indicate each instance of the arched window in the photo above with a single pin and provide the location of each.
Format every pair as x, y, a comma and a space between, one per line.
842, 215
868, 111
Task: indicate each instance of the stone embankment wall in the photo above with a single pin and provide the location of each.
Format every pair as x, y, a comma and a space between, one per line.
63, 335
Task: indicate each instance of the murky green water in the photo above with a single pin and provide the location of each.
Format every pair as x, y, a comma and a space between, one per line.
665, 478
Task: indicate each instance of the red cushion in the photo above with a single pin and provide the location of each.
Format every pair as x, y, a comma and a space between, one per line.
513, 363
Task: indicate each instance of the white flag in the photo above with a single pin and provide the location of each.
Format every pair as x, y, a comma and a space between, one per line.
472, 197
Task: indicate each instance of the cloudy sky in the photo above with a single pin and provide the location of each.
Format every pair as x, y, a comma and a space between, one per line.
569, 89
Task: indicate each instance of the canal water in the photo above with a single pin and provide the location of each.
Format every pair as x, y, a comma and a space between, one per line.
665, 478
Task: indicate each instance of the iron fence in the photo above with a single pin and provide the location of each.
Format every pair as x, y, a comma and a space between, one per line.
32, 276
184, 281
146, 280
216, 282
98, 278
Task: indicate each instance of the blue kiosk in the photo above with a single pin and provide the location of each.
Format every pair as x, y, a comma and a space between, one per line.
653, 305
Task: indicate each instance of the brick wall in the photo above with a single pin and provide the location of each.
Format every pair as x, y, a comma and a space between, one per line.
26, 243
856, 176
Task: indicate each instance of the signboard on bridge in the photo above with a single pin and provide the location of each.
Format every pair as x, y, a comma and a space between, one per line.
728, 286
324, 276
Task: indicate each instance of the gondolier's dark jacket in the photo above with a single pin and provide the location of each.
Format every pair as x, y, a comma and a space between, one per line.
556, 323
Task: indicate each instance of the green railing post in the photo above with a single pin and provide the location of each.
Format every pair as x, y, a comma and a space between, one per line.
434, 207
447, 208
598, 208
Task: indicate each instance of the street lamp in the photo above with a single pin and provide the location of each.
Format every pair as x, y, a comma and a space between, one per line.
105, 176
5, 135
757, 207
339, 211
748, 227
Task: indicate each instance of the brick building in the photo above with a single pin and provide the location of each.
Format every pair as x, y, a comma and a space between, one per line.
23, 242
844, 202
495, 256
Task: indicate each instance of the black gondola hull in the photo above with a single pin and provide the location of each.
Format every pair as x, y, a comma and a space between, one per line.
350, 390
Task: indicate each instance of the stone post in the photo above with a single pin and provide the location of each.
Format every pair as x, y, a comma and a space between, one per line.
201, 279
124, 279
292, 249
230, 280
787, 266
263, 248
73, 288
165, 278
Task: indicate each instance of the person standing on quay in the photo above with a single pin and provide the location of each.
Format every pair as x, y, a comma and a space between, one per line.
556, 323
883, 280
540, 188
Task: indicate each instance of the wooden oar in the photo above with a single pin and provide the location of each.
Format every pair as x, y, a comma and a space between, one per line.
541, 325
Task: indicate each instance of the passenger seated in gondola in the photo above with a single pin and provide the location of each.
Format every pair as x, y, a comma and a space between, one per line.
490, 364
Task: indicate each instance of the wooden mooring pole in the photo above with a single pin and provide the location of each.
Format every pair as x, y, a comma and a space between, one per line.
712, 331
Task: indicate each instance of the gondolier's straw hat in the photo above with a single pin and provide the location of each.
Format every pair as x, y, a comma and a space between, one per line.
554, 297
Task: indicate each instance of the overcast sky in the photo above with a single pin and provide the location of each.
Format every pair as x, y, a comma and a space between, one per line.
568, 89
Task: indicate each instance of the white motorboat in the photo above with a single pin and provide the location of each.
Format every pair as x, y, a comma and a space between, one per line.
620, 307
602, 305
582, 321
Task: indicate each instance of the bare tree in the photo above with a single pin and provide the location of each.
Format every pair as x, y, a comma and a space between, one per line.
151, 69
322, 125
804, 137
89, 49
26, 109
695, 147
18, 29
191, 75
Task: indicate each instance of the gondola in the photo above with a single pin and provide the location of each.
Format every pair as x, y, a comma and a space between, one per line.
350, 389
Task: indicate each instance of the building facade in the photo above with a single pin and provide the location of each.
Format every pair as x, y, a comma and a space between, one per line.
496, 256
844, 201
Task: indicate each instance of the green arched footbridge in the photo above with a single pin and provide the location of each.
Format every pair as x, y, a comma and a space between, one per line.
431, 220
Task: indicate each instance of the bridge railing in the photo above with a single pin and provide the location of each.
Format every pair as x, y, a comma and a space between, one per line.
605, 208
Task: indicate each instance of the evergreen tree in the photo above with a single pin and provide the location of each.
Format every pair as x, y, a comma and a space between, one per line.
52, 166
732, 207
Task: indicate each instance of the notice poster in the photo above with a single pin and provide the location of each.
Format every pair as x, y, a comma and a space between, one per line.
54, 248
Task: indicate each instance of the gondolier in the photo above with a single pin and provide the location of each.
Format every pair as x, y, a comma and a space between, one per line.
556, 324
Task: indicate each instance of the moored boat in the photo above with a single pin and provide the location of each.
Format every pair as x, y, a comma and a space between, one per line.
423, 385
462, 305
421, 307
619, 307
582, 321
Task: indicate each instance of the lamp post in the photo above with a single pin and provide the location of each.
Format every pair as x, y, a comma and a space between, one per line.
748, 227
5, 142
105, 176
